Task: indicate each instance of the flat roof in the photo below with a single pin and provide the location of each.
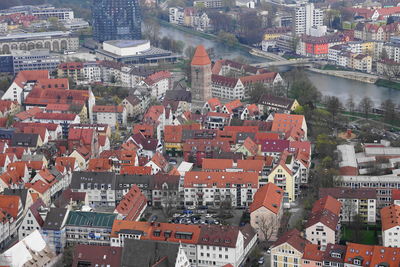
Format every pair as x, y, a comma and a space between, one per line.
33, 35
126, 43
348, 156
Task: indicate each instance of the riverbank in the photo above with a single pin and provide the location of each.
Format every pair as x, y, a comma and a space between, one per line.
352, 75
388, 84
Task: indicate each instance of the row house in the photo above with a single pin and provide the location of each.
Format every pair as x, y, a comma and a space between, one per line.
132, 106
353, 60
205, 245
120, 159
174, 139
215, 188
33, 219
124, 182
11, 213
189, 17
178, 100
227, 87
375, 32
53, 229
269, 103
290, 125
359, 201
215, 120
165, 189
99, 186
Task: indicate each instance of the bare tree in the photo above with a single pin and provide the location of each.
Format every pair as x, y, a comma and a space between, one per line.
365, 106
349, 210
391, 71
350, 104
267, 226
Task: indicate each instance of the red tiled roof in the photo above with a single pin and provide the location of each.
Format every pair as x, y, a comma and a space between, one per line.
267, 77
30, 75
159, 160
251, 146
213, 103
390, 217
132, 204
285, 122
41, 131
217, 164
39, 96
395, 194
251, 164
10, 204
84, 136
71, 65
157, 76
200, 57
55, 116
220, 178
135, 170
269, 196
101, 165
232, 105
39, 186
327, 203
374, 255
312, 253
23, 115
58, 107
294, 239
274, 145
65, 162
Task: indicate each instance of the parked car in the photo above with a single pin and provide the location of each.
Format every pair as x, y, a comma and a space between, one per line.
261, 260
153, 218
268, 251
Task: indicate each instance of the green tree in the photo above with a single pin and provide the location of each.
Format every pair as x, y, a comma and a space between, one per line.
228, 38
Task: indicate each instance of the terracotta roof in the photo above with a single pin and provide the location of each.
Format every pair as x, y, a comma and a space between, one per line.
39, 186
251, 164
48, 126
39, 96
136, 170
265, 136
200, 57
217, 164
327, 203
390, 217
395, 194
285, 122
220, 179
157, 76
58, 107
30, 75
312, 253
372, 255
233, 105
41, 131
132, 204
269, 196
23, 115
97, 255
146, 129
335, 248
10, 204
214, 103
325, 217
154, 113
5, 105
215, 235
55, 116
108, 109
251, 146
159, 160
267, 77
83, 136
46, 174
294, 239
102, 165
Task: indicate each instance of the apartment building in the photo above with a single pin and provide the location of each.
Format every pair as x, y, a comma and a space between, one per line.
359, 201
390, 217
306, 17
110, 115
91, 228
215, 188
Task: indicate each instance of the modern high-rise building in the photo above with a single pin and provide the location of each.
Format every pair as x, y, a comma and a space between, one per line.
116, 20
201, 75
306, 17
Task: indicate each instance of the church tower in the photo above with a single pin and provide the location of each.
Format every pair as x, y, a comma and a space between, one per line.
201, 75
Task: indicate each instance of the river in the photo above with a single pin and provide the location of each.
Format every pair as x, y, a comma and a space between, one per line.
327, 85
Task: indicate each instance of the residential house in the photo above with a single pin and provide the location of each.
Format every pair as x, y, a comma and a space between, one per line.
158, 83
270, 103
287, 123
96, 255
110, 115
132, 106
390, 217
33, 220
165, 190
266, 211
157, 163
288, 250
312, 256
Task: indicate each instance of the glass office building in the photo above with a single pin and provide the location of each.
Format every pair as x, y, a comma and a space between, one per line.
116, 19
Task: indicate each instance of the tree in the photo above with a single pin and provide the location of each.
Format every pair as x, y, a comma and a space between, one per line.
257, 91
221, 22
333, 105
389, 109
349, 208
365, 106
384, 54
228, 38
391, 70
357, 225
151, 30
250, 28
189, 52
267, 225
305, 92
350, 104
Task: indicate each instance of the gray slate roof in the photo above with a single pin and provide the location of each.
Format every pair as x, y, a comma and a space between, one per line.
54, 219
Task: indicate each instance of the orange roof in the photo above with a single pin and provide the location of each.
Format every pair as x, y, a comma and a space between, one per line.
65, 162
327, 203
173, 133
174, 171
311, 252
23, 115
154, 113
135, 170
39, 186
157, 76
217, 164
390, 217
269, 196
30, 75
132, 204
285, 122
200, 57
266, 136
41, 131
250, 164
213, 103
34, 196
159, 160
102, 165
220, 179
10, 204
243, 129
146, 129
233, 104
258, 78
374, 255
251, 146
45, 174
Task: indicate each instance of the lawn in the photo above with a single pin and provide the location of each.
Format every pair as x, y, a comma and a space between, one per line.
368, 237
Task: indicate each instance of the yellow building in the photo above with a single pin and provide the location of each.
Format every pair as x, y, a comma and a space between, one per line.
288, 250
275, 33
367, 47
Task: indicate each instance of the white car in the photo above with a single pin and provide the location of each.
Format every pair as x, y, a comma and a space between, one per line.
208, 215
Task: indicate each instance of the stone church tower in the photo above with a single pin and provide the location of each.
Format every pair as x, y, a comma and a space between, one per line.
201, 75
